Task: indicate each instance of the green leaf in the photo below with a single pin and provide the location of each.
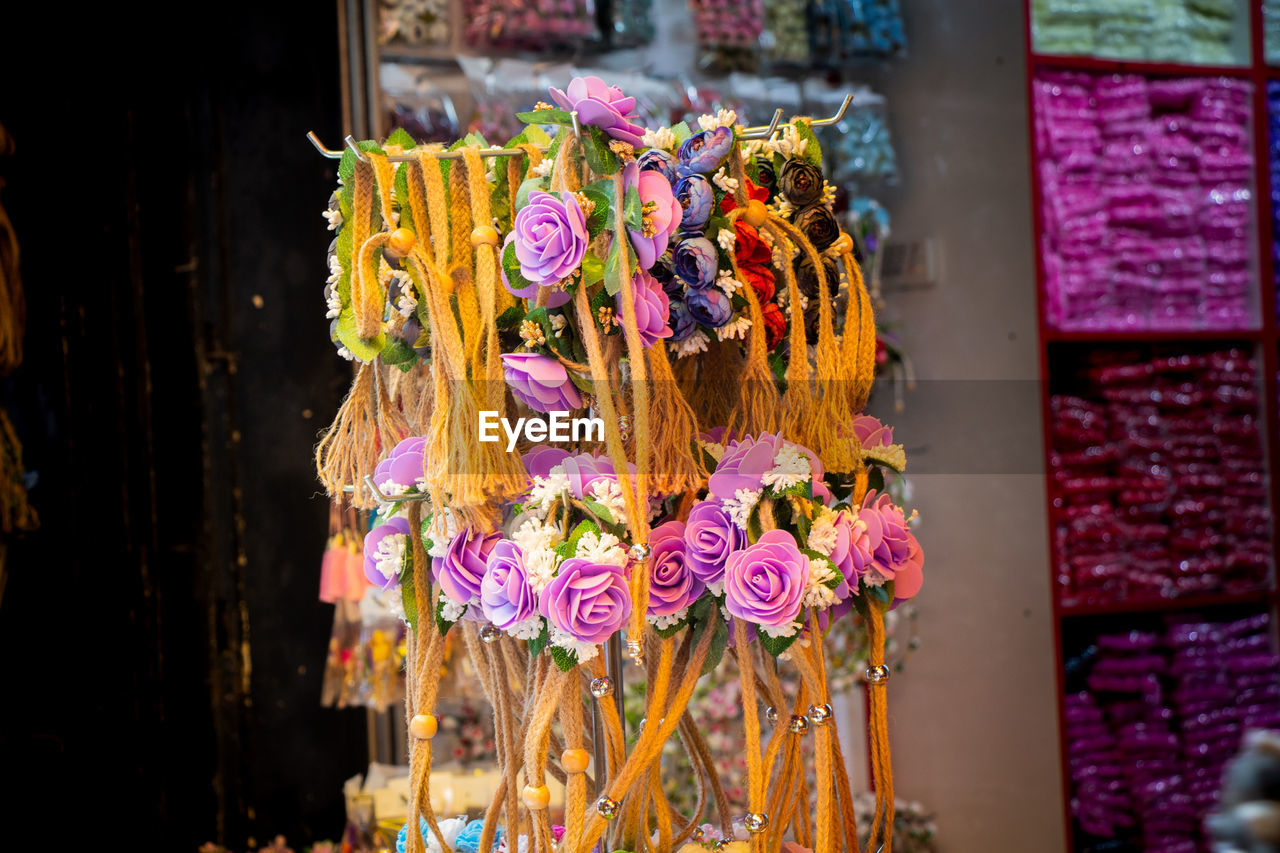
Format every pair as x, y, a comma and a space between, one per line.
603, 201
511, 266
408, 596
582, 383
875, 478
398, 352
592, 269
803, 490
816, 557
681, 131
633, 214
583, 528
598, 509
595, 147
603, 299
527, 186
509, 319
565, 660
535, 135
812, 151
364, 350
401, 192
755, 527
561, 117
672, 630
538, 643
401, 137
442, 624
710, 619
614, 274
776, 645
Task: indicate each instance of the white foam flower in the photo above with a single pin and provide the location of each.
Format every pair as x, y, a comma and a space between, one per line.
669, 620
740, 505
526, 629
332, 302
723, 118
823, 533
565, 640
724, 182
335, 269
663, 138
346, 353
540, 566
735, 329
450, 610
389, 558
601, 548
609, 493
727, 238
391, 488
543, 169
334, 217
730, 285
782, 208
692, 345
790, 466
547, 490
408, 296
532, 535
441, 531
816, 592
752, 147
787, 630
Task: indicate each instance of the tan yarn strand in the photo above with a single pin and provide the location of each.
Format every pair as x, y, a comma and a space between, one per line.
751, 725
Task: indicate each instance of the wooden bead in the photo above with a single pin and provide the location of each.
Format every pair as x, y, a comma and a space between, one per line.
843, 244
537, 798
402, 241
575, 760
423, 726
485, 235
756, 213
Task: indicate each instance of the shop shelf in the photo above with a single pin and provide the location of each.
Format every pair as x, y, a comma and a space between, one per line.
1131, 66
1164, 605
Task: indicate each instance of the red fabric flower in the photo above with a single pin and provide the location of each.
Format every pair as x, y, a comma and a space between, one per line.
754, 258
775, 325
728, 203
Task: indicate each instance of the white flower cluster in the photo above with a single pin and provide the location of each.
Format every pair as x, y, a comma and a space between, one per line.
547, 490
740, 505
727, 238
343, 352
724, 182
565, 640
389, 558
788, 630
662, 138
730, 285
669, 620
715, 450
724, 118
609, 493
790, 467
333, 302
334, 217
543, 169
601, 548
695, 343
816, 592
558, 323
451, 611
823, 533
441, 532
408, 296
735, 329
790, 144
534, 539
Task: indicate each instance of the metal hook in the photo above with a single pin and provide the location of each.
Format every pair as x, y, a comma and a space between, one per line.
844, 107
315, 140
763, 131
386, 499
444, 155
354, 146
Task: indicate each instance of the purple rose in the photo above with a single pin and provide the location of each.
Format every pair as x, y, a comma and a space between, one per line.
764, 583
895, 553
657, 160
550, 237
505, 595
710, 536
588, 601
696, 261
460, 571
540, 382
539, 461
746, 461
672, 584
710, 307
653, 309
681, 321
696, 198
661, 214
403, 466
385, 547
703, 151
601, 105
584, 470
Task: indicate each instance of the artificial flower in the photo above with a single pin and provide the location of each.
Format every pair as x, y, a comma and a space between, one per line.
704, 151
801, 182
588, 601
660, 212
765, 583
460, 572
506, 599
673, 586
384, 551
710, 307
775, 325
710, 537
696, 198
681, 321
652, 307
540, 382
402, 468
657, 160
602, 106
550, 238
819, 224
696, 262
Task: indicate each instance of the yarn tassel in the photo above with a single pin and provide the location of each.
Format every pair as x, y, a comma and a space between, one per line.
675, 459
347, 449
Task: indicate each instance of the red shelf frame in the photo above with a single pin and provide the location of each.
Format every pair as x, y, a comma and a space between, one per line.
1265, 340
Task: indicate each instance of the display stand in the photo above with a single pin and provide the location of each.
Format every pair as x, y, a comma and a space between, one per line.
1059, 349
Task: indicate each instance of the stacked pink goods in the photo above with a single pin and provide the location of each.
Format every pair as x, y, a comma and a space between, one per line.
1146, 201
1157, 716
1158, 484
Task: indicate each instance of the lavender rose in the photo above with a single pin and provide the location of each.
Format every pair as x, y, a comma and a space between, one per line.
550, 237
746, 461
764, 583
588, 601
601, 105
710, 307
657, 160
402, 468
384, 551
703, 151
672, 584
505, 595
540, 382
696, 261
539, 461
653, 309
896, 555
696, 198
460, 571
661, 214
710, 536
681, 321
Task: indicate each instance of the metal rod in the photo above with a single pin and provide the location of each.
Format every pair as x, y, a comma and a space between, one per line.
764, 131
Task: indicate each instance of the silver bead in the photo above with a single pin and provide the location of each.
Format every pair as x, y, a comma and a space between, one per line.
635, 651
820, 715
799, 724
771, 714
490, 634
756, 821
602, 687
607, 808
639, 553
878, 674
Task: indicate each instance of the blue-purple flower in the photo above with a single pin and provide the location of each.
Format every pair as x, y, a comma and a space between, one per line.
681, 321
710, 307
704, 151
696, 197
696, 261
601, 105
460, 571
657, 160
